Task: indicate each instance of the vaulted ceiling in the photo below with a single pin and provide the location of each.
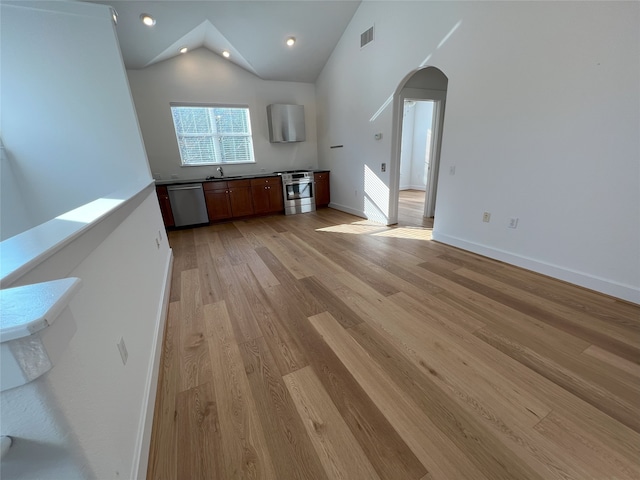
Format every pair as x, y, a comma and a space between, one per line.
253, 32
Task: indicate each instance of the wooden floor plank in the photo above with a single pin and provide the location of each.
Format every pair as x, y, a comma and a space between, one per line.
450, 352
417, 430
340, 454
290, 448
245, 453
199, 441
613, 360
587, 332
623, 333
324, 345
383, 446
627, 413
163, 451
582, 447
435, 401
195, 366
287, 351
239, 306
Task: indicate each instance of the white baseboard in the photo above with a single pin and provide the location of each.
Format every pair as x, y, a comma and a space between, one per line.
346, 209
141, 456
592, 282
414, 187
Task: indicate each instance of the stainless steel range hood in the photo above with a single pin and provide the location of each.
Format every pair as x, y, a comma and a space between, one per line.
286, 123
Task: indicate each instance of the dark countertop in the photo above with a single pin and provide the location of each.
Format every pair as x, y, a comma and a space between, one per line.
248, 176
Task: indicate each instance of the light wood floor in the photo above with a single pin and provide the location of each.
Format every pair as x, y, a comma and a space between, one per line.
411, 209
322, 346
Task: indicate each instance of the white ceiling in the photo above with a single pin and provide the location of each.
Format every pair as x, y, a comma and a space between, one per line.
254, 32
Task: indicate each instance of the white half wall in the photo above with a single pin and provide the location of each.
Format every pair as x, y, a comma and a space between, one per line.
67, 119
201, 76
541, 124
87, 417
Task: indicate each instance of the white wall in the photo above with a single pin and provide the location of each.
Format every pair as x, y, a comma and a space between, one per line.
406, 155
71, 134
541, 123
201, 76
421, 135
66, 117
13, 208
85, 417
416, 129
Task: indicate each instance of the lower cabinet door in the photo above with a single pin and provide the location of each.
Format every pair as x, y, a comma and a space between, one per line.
241, 201
218, 205
276, 200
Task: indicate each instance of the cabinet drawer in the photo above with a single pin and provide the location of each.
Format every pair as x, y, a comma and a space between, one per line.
239, 183
215, 185
256, 182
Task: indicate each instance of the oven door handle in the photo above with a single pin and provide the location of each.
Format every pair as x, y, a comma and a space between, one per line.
299, 182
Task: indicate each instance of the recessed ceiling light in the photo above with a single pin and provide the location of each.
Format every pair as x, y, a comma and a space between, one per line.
148, 20
184, 50
226, 54
291, 41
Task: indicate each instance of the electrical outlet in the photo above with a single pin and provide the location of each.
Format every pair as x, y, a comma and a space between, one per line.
123, 351
383, 167
158, 243
486, 217
513, 222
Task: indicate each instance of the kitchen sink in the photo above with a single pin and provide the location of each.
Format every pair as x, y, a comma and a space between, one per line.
226, 177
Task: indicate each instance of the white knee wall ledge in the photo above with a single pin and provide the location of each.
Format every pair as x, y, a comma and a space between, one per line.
36, 326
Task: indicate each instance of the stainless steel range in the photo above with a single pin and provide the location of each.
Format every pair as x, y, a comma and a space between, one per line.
298, 189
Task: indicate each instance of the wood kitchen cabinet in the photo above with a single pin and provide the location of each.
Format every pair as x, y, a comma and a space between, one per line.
165, 206
228, 199
323, 192
216, 196
267, 195
241, 198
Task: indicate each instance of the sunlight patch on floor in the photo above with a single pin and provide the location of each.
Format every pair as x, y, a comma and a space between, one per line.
411, 233
367, 227
353, 228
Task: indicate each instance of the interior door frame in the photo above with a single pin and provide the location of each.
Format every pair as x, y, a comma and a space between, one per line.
417, 94
434, 160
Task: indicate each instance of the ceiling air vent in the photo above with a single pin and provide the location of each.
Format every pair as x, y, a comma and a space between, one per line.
366, 37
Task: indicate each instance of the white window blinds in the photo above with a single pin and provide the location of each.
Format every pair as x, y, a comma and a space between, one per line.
213, 134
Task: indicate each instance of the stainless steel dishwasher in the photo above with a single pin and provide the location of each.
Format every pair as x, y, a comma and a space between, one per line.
188, 204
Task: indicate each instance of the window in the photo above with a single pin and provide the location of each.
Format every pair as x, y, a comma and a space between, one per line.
212, 134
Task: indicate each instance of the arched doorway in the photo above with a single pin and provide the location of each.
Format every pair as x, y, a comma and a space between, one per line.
428, 84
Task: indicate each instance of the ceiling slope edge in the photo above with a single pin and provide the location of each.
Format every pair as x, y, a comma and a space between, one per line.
208, 36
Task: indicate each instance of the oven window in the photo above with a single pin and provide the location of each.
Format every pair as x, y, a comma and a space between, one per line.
299, 190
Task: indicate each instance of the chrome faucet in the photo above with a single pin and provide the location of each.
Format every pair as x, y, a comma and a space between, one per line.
221, 172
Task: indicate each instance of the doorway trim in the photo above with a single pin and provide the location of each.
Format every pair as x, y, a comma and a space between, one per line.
401, 94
